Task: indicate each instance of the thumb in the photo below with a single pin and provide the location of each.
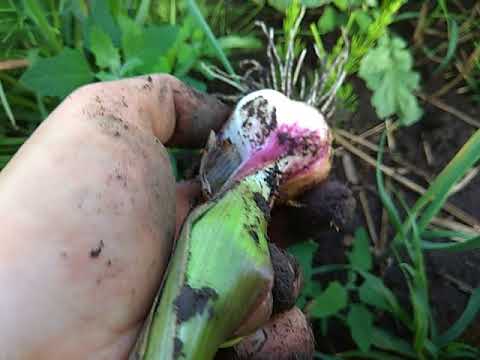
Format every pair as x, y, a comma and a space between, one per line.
188, 194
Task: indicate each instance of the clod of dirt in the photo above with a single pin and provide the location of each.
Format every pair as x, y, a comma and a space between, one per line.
329, 203
286, 284
287, 336
192, 301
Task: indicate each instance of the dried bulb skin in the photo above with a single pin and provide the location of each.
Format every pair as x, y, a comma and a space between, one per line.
266, 127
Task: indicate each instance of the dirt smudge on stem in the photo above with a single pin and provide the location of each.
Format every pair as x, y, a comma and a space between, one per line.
193, 301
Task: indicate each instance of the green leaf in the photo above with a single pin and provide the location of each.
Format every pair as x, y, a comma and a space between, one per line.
341, 4
360, 322
156, 41
363, 19
129, 67
360, 256
58, 75
100, 15
106, 55
304, 253
385, 341
187, 57
331, 301
387, 70
328, 20
105, 76
131, 35
149, 45
370, 292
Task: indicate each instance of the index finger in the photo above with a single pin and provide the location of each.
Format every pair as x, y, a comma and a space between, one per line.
177, 114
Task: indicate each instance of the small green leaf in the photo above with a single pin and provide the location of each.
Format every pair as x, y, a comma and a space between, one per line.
360, 256
152, 43
105, 76
100, 15
186, 59
106, 55
369, 294
304, 252
363, 19
331, 301
360, 322
58, 75
341, 4
387, 70
328, 20
131, 37
386, 341
129, 67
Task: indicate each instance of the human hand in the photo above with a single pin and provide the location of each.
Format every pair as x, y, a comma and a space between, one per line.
90, 208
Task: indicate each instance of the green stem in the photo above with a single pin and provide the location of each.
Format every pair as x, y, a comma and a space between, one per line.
221, 267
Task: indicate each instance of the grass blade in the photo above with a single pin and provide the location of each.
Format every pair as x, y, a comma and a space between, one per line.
142, 12
35, 11
453, 32
463, 322
385, 341
384, 196
197, 14
439, 190
470, 244
6, 107
452, 28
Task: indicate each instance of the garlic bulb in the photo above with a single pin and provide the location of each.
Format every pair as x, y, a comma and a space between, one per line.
268, 128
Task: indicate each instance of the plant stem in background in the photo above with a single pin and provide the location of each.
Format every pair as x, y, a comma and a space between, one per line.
197, 14
142, 12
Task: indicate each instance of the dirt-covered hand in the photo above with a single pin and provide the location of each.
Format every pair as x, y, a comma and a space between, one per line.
88, 213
